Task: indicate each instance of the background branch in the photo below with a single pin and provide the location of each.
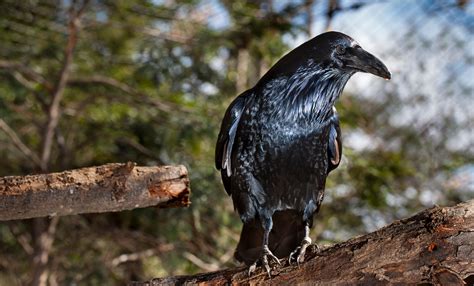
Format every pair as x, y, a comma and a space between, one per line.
111, 82
57, 94
26, 72
18, 143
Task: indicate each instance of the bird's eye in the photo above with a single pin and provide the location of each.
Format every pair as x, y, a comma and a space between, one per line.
340, 49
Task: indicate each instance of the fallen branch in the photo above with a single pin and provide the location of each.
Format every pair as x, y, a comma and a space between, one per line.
434, 247
106, 188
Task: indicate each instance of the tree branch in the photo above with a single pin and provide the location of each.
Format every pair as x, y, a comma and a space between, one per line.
21, 237
54, 112
200, 263
28, 78
141, 149
433, 247
18, 143
106, 188
104, 80
26, 72
130, 257
111, 82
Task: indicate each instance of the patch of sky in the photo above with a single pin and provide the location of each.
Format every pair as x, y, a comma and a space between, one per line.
218, 19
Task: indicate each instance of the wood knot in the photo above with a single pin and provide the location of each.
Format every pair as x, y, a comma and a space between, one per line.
120, 176
432, 247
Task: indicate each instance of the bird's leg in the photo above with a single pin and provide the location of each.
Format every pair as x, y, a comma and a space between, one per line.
267, 227
300, 251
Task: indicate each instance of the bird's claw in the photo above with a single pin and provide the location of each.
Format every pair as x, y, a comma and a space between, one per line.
293, 256
298, 254
265, 263
252, 268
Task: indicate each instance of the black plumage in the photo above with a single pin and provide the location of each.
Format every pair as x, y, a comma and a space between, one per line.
280, 139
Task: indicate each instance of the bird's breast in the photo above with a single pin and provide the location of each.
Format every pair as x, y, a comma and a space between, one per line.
280, 145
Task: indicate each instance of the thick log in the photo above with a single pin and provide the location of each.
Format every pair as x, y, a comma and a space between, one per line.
106, 188
434, 247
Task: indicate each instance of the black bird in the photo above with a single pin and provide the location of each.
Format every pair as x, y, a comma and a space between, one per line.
280, 139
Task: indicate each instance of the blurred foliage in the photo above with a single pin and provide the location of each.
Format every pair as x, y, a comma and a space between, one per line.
150, 83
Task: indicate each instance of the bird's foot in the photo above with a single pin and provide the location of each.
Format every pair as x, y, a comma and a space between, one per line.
298, 254
265, 263
267, 252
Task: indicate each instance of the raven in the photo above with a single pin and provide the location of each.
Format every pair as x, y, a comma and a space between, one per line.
280, 139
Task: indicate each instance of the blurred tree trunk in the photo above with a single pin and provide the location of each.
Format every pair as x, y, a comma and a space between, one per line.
308, 6
243, 61
43, 229
433, 247
333, 6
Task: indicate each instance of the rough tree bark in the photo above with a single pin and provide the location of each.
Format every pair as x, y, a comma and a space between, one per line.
433, 247
106, 188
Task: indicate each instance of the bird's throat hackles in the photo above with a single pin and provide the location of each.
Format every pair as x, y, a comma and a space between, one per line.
308, 95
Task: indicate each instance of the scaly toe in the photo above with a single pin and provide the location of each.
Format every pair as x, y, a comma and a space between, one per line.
267, 252
265, 265
274, 258
302, 251
252, 268
300, 258
293, 255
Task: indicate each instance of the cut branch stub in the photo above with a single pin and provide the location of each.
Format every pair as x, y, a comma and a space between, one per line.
106, 188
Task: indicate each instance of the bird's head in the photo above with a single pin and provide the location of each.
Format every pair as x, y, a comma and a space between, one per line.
332, 52
339, 51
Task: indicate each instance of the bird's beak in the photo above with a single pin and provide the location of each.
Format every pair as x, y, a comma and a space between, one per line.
360, 60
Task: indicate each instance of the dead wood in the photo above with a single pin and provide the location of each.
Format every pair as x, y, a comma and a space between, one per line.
106, 188
433, 247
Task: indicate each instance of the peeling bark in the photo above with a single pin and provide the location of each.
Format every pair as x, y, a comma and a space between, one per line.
106, 188
433, 247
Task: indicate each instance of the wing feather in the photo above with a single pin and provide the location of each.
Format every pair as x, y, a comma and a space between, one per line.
226, 138
335, 142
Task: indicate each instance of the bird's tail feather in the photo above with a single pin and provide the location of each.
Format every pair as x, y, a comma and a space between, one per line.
287, 234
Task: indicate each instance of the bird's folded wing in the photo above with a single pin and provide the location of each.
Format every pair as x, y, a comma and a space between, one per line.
335, 143
226, 138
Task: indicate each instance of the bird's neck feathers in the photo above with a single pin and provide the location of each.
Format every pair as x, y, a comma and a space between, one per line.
309, 94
